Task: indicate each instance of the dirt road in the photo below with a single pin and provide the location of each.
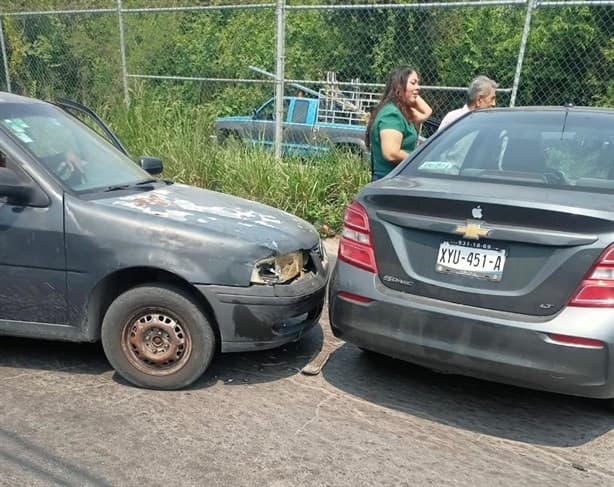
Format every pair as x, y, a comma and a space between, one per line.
253, 419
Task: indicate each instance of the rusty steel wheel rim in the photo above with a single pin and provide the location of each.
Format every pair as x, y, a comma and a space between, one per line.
156, 343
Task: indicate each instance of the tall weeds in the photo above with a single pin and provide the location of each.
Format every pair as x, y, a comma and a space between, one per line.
314, 189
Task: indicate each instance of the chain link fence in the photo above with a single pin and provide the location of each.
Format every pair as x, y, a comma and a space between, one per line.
540, 52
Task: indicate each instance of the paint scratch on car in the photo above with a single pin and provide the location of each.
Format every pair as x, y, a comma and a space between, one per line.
159, 204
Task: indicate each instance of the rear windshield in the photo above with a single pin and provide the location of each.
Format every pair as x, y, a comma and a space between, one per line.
547, 148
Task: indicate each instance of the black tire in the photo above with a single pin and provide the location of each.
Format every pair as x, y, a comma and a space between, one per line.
354, 150
157, 337
228, 137
371, 353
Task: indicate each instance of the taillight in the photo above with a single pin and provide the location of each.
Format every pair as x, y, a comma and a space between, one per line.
354, 297
355, 247
574, 341
597, 287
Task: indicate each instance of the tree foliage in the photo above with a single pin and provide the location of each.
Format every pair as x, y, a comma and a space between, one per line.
569, 56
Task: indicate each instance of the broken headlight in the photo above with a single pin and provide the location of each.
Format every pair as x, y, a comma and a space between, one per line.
277, 270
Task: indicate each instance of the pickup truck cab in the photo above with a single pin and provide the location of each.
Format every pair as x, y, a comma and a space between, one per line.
308, 127
95, 247
311, 126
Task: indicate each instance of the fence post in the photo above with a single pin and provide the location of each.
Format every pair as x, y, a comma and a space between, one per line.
122, 47
523, 45
279, 76
5, 57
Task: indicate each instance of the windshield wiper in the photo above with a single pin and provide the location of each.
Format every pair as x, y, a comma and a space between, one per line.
146, 181
144, 184
116, 187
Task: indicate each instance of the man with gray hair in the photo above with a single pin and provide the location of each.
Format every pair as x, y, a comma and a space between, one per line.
480, 94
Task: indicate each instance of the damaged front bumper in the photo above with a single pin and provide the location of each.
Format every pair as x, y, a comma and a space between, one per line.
260, 317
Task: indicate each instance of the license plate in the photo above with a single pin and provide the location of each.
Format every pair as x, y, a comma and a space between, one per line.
471, 259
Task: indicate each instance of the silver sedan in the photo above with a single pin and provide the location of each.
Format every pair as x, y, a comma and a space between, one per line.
490, 252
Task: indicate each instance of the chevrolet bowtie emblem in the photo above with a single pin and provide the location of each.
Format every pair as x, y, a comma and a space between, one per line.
472, 230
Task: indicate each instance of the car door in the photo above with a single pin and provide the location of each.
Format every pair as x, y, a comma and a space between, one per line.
32, 257
263, 123
89, 118
298, 130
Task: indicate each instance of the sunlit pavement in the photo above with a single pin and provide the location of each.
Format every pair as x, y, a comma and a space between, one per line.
253, 419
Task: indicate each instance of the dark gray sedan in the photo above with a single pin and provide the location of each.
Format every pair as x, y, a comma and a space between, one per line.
92, 247
490, 252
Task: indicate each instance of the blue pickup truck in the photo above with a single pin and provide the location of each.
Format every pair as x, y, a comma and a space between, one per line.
311, 126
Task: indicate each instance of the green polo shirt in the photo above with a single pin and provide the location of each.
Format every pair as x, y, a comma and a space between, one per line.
389, 117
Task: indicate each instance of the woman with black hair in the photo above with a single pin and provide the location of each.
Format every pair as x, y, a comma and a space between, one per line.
392, 131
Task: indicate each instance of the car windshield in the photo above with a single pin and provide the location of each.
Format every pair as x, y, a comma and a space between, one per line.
561, 148
71, 151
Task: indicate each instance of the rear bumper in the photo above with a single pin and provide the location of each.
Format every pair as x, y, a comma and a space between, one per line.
263, 317
499, 346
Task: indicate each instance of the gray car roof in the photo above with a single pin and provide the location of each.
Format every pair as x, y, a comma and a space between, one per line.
550, 109
12, 98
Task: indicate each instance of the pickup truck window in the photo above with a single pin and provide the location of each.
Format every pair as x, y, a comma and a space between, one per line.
267, 111
299, 114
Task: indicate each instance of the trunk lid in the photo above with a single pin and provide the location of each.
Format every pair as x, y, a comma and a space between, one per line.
498, 246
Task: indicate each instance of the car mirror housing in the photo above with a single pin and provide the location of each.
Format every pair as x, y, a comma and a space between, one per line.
15, 191
152, 165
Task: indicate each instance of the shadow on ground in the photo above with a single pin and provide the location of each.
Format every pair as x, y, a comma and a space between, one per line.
40, 462
475, 405
264, 366
233, 369
42, 355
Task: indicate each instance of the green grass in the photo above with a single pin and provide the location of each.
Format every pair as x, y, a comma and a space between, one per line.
316, 190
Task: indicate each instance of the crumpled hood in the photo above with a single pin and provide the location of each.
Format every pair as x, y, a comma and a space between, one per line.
221, 214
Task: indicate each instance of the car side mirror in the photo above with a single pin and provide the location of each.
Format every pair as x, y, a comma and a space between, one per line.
152, 165
255, 113
15, 191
